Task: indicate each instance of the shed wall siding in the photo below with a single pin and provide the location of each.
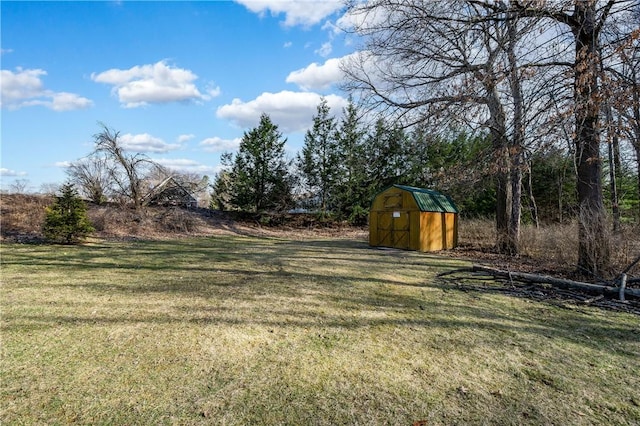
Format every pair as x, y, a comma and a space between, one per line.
416, 243
431, 231
451, 221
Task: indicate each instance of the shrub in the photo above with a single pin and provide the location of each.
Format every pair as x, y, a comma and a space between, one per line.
66, 219
358, 216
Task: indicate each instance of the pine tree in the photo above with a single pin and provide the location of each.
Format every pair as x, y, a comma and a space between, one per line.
386, 156
318, 160
221, 186
66, 220
259, 179
350, 191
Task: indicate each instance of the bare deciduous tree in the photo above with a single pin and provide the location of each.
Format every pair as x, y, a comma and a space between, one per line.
624, 72
19, 186
49, 188
92, 176
127, 171
585, 19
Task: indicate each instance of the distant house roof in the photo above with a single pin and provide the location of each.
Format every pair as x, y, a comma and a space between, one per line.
170, 192
429, 200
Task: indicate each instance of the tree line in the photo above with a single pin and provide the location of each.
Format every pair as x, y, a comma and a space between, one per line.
346, 160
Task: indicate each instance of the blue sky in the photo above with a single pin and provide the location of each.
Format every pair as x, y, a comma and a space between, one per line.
180, 81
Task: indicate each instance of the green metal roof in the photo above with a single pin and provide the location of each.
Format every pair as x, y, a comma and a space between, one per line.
429, 200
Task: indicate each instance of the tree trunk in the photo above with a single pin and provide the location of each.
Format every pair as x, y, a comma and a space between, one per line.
502, 160
612, 145
516, 206
532, 200
502, 205
635, 127
593, 245
516, 142
637, 148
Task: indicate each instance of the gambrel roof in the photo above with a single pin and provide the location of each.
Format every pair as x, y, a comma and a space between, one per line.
429, 200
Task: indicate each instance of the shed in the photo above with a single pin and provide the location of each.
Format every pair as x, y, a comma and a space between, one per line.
412, 218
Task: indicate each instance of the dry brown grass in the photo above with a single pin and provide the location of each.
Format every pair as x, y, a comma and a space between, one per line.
22, 216
552, 248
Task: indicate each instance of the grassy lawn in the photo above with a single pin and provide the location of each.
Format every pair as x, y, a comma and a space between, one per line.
241, 331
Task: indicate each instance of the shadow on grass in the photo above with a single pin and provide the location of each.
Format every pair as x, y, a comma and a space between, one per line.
318, 284
196, 254
578, 329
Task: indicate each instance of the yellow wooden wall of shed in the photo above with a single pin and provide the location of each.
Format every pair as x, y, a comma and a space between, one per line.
389, 201
451, 227
431, 231
415, 242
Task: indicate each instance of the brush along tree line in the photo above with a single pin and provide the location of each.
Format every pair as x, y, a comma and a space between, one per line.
342, 166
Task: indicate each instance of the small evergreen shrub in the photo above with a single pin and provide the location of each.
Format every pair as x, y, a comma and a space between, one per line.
66, 219
358, 216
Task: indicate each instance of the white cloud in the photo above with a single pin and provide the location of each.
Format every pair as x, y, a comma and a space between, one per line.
185, 138
64, 101
213, 91
300, 12
62, 164
153, 83
9, 172
362, 17
316, 77
21, 85
144, 142
217, 144
186, 166
24, 88
325, 49
291, 111
288, 44
5, 51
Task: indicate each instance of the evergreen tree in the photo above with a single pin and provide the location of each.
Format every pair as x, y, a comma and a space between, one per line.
418, 172
458, 164
66, 220
350, 193
259, 179
386, 157
221, 187
318, 161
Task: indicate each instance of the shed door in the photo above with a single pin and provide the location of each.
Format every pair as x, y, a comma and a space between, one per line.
393, 229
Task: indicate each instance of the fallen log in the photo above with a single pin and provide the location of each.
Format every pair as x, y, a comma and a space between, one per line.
557, 282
